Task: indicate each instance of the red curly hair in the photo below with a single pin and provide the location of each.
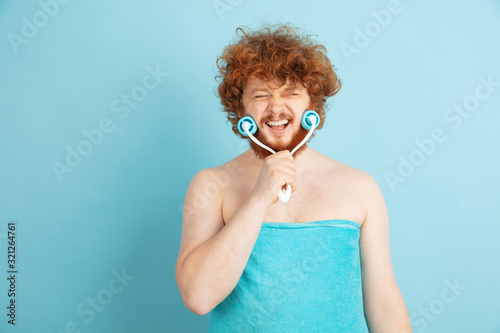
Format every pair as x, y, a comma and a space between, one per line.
269, 54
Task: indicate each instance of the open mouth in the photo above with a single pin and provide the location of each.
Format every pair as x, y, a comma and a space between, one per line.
278, 127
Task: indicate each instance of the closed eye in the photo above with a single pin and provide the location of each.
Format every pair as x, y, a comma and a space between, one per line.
268, 95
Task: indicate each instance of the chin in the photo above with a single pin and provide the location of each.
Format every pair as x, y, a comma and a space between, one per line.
279, 144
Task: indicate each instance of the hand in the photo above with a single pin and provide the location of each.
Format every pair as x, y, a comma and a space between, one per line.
277, 170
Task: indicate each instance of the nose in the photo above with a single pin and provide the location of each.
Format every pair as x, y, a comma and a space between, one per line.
276, 105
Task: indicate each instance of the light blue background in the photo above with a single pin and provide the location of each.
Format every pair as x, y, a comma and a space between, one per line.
120, 208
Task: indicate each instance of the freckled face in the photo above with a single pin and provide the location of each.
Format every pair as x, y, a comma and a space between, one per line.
277, 113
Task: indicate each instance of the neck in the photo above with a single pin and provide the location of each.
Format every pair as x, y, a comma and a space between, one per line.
302, 160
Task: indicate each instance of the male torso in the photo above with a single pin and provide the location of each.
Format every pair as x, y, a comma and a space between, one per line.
327, 190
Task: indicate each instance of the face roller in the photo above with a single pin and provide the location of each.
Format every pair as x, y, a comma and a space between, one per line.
310, 120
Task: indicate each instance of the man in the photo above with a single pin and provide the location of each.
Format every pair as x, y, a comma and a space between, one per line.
238, 240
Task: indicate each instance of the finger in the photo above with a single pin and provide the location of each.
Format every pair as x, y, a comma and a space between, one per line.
286, 172
283, 154
286, 162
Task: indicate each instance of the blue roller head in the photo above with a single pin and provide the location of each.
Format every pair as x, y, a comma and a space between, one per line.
305, 122
252, 128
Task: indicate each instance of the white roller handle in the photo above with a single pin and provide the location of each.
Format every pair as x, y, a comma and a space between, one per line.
284, 196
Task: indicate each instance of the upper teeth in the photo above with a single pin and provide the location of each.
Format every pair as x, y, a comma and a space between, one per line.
277, 123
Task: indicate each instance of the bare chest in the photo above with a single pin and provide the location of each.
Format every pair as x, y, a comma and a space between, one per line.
320, 198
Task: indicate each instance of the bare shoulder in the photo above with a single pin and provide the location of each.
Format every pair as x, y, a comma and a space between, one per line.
341, 169
228, 170
210, 184
219, 175
350, 177
202, 214
202, 195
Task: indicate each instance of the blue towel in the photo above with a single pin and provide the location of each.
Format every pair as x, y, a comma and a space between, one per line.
300, 277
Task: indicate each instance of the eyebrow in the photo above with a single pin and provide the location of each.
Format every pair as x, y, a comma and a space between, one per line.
253, 91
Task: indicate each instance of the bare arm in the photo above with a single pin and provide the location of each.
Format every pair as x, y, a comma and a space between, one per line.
385, 310
212, 259
212, 256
